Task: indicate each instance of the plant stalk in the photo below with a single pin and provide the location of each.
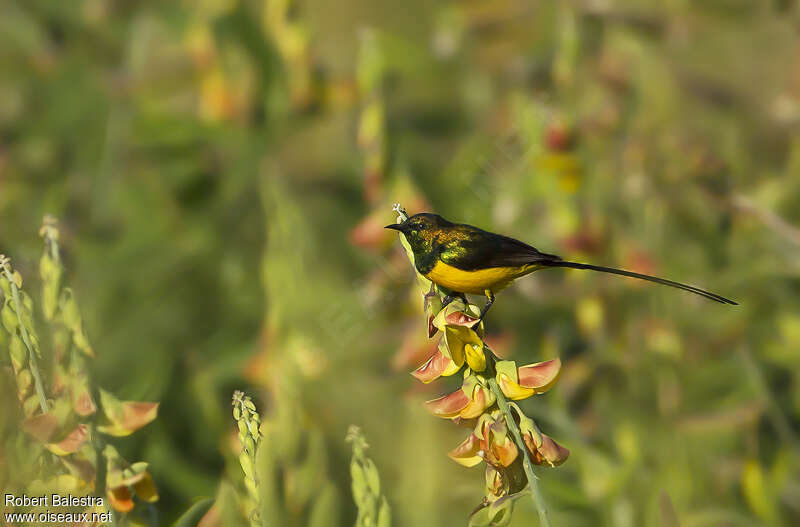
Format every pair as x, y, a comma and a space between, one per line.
37, 378
533, 480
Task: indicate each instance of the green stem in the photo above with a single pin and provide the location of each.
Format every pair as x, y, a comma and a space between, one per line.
37, 379
774, 412
533, 480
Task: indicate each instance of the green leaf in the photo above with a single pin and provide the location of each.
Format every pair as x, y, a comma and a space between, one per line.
270, 495
303, 481
9, 316
480, 518
501, 510
384, 514
373, 480
247, 465
759, 497
19, 355
133, 520
31, 405
359, 482
71, 317
496, 514
326, 510
195, 513
669, 518
50, 272
69, 308
509, 368
27, 304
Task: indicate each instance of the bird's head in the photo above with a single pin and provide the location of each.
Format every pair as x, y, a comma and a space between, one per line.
420, 230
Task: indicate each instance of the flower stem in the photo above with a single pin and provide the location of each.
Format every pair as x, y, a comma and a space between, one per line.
37, 379
533, 480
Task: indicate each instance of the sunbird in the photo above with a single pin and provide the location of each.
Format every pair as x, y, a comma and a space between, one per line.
465, 259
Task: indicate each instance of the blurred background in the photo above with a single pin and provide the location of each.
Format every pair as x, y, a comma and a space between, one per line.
222, 171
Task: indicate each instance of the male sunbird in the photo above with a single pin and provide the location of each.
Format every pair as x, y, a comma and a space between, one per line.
466, 259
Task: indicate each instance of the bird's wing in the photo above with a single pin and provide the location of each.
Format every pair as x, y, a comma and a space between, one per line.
469, 248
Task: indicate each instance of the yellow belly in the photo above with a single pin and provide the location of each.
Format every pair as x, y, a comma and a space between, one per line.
475, 282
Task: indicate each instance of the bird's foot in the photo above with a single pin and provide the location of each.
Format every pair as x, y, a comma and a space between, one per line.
490, 296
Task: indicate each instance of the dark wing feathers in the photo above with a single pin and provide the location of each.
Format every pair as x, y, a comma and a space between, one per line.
470, 248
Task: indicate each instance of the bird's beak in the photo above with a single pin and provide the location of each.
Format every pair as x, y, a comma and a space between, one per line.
395, 226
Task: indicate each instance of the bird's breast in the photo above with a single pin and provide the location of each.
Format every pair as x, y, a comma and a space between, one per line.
476, 281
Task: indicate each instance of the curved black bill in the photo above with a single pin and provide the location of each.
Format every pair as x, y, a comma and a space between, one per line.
395, 226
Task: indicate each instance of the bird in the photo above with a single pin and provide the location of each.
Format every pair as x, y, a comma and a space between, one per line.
464, 259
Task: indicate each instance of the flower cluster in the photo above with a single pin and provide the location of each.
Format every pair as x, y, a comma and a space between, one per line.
124, 481
373, 509
462, 349
283, 461
20, 339
503, 436
248, 421
65, 414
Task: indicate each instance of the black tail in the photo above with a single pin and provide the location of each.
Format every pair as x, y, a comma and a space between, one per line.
576, 265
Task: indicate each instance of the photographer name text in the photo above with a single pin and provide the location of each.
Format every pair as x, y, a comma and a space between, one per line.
50, 501
53, 500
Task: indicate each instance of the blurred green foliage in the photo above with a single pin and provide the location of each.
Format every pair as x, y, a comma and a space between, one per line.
222, 170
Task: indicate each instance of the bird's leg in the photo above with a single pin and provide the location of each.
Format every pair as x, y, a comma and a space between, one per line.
431, 293
490, 295
447, 299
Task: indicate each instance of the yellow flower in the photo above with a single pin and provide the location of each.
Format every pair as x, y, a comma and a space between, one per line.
521, 383
468, 453
124, 480
464, 344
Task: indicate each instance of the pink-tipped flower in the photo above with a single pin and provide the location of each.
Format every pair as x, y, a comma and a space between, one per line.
468, 453
470, 401
521, 383
456, 313
439, 364
544, 450
488, 442
548, 452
